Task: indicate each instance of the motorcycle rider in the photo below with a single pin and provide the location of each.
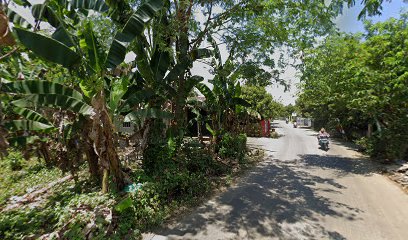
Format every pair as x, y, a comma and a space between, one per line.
323, 134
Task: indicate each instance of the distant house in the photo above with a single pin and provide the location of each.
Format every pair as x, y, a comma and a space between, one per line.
304, 122
122, 126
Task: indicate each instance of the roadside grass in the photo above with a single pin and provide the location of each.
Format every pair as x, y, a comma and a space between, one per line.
32, 175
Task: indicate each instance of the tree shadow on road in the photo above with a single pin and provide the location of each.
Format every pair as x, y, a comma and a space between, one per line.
276, 200
342, 165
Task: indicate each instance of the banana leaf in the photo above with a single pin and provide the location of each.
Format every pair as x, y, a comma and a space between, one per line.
240, 101
24, 140
96, 5
136, 98
17, 19
43, 12
62, 35
192, 82
161, 59
176, 71
143, 65
89, 44
133, 28
54, 100
217, 53
238, 90
117, 51
40, 87
201, 53
180, 68
118, 90
148, 113
48, 48
23, 3
28, 125
30, 115
206, 91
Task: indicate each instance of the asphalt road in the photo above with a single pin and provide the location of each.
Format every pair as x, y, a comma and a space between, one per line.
300, 192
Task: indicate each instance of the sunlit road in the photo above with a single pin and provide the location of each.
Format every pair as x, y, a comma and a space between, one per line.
300, 192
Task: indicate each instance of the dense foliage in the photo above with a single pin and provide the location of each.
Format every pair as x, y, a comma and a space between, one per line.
66, 90
262, 102
358, 82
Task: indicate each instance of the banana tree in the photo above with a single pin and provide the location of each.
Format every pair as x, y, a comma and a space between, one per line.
80, 52
158, 73
31, 100
223, 100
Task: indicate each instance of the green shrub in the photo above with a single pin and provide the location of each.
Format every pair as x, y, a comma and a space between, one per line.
156, 158
195, 157
21, 222
233, 146
141, 209
386, 145
14, 160
147, 206
180, 184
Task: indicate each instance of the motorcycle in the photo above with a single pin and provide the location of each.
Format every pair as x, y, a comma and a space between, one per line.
324, 143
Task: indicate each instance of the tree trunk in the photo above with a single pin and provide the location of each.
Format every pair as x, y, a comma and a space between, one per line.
46, 154
3, 133
93, 165
103, 143
105, 181
91, 156
183, 45
369, 130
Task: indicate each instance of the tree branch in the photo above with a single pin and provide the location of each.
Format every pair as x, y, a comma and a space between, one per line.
213, 24
9, 53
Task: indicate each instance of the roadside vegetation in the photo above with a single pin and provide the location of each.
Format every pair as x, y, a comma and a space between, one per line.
358, 83
97, 144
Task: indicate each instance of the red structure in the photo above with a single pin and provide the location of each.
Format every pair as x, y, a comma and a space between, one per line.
265, 128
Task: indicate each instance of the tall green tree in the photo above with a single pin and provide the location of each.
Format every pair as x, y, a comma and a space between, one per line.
357, 81
262, 101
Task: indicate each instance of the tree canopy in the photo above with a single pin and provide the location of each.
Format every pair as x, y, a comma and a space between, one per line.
356, 80
262, 102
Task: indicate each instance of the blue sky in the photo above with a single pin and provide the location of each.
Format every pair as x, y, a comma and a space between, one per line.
348, 21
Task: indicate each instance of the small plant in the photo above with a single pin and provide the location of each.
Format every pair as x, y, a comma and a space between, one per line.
14, 160
233, 146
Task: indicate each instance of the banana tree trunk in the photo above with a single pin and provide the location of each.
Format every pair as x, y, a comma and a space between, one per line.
44, 149
103, 143
91, 156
